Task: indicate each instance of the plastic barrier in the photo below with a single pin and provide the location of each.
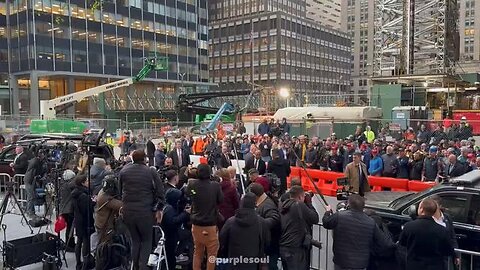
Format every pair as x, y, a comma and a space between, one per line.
395, 184
419, 186
326, 181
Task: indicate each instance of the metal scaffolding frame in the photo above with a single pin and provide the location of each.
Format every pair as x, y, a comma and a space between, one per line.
415, 37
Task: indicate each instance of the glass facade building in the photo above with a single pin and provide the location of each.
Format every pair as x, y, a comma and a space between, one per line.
52, 48
280, 50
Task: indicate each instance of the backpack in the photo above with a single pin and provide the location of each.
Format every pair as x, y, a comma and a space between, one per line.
113, 254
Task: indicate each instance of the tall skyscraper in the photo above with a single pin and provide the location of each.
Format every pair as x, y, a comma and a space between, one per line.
326, 12
270, 44
55, 47
359, 22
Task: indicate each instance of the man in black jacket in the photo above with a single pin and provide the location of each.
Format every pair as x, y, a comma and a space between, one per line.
151, 152
427, 243
225, 159
296, 220
268, 210
454, 167
244, 235
355, 235
256, 163
36, 168
281, 168
20, 163
179, 156
143, 198
446, 221
205, 196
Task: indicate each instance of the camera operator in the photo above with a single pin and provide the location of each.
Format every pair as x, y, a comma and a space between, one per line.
36, 169
296, 220
143, 197
355, 235
66, 207
107, 207
97, 172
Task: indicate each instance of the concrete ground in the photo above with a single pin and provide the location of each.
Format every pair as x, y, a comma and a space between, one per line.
321, 259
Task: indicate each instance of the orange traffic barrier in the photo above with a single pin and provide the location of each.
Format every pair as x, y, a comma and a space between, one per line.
394, 184
203, 160
419, 186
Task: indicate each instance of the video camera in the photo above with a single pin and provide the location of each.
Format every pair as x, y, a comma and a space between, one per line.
343, 192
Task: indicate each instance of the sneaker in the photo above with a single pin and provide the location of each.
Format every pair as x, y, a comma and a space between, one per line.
181, 258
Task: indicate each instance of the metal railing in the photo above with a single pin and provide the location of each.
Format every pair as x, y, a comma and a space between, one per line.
470, 260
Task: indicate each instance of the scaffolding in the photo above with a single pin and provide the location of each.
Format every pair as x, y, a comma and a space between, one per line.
414, 37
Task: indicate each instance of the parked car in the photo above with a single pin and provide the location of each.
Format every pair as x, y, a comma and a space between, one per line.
460, 197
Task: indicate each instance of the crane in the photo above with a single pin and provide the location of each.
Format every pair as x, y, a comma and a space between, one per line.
48, 108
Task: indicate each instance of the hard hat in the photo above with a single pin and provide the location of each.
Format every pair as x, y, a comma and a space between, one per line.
109, 135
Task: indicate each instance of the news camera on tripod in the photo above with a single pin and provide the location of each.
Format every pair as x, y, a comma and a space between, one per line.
37, 168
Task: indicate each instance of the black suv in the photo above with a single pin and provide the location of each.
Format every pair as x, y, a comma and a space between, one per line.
460, 197
8, 153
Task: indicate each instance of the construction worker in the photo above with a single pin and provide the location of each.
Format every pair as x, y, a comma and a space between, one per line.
369, 134
109, 140
198, 145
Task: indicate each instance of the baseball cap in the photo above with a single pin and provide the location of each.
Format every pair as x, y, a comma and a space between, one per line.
433, 149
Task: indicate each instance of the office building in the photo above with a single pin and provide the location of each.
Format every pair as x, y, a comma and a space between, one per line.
56, 47
326, 12
272, 46
469, 30
358, 21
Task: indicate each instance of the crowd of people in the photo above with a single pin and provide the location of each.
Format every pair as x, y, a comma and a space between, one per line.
211, 211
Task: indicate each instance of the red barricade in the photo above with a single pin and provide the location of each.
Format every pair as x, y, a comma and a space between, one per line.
419, 186
203, 160
395, 184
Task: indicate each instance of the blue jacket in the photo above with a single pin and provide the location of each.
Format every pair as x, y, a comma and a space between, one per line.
376, 165
263, 129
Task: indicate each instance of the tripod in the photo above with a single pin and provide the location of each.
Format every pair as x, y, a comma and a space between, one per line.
3, 208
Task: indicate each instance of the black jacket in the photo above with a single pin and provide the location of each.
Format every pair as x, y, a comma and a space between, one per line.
21, 163
250, 164
35, 168
281, 169
427, 244
457, 170
269, 212
66, 201
83, 211
141, 189
296, 219
246, 235
174, 156
355, 237
173, 216
150, 149
416, 168
205, 196
222, 161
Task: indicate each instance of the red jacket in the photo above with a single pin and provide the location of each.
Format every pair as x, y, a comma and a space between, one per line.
230, 201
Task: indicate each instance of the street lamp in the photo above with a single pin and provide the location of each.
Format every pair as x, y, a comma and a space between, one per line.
285, 93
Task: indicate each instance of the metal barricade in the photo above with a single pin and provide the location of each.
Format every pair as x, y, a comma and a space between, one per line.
19, 180
470, 260
320, 258
4, 178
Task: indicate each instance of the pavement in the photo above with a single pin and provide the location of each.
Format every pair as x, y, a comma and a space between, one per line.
16, 228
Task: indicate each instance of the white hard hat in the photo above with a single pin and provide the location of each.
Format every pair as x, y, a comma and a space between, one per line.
109, 135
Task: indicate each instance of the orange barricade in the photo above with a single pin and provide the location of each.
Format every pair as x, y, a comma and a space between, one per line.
203, 160
419, 186
395, 184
